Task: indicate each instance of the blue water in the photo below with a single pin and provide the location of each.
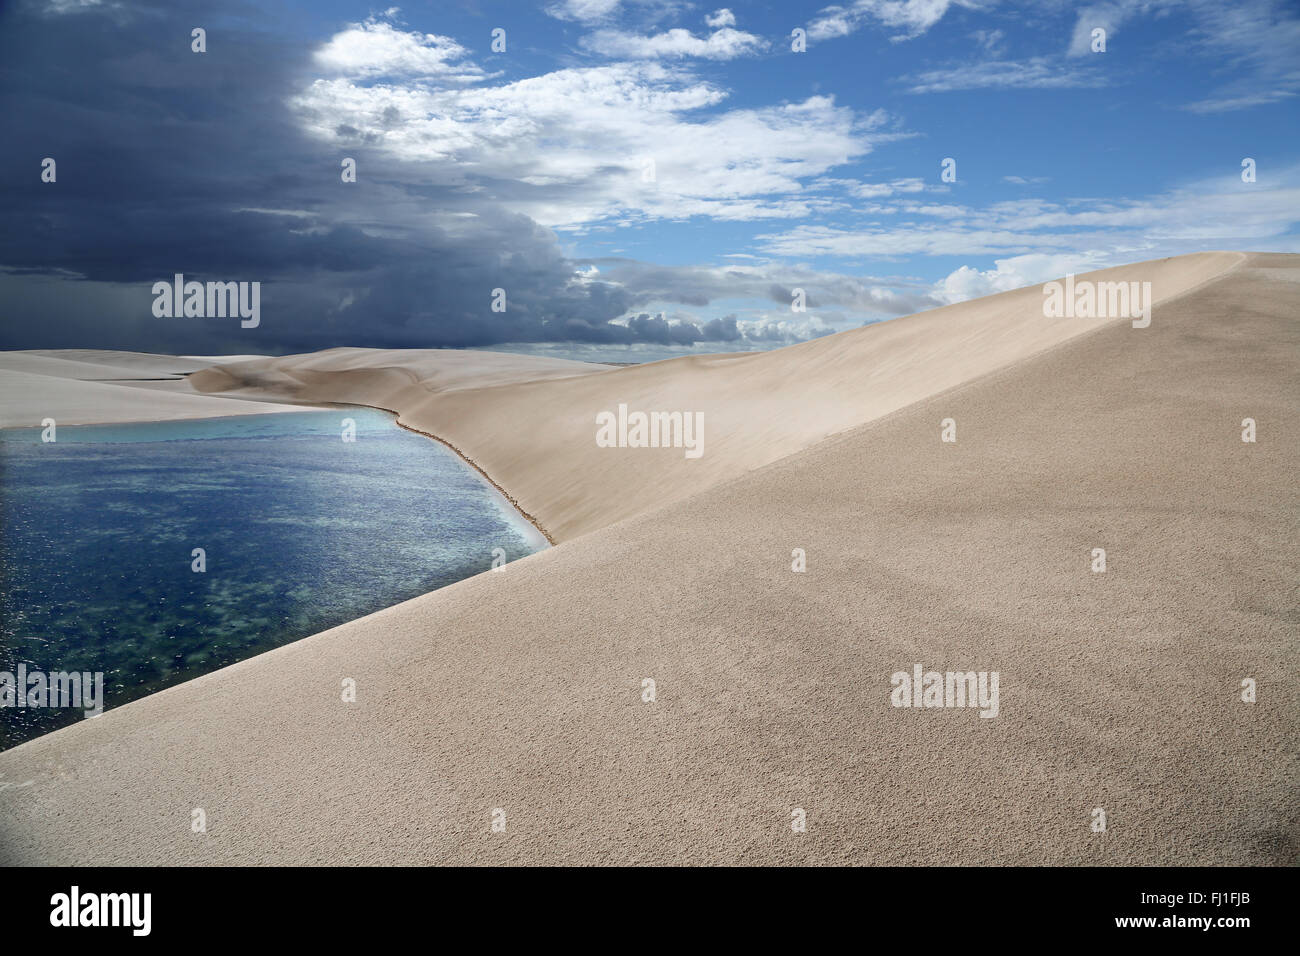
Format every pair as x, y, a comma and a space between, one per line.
302, 531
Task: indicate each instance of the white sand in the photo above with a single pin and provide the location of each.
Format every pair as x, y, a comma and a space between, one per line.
536, 437
85, 387
522, 689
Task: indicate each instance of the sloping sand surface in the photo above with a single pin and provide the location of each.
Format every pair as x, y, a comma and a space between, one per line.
27, 399
94, 364
87, 387
522, 689
537, 437
382, 377
105, 364
35, 364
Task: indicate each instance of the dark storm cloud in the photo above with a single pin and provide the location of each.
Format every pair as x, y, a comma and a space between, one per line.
169, 161
657, 329
767, 282
722, 330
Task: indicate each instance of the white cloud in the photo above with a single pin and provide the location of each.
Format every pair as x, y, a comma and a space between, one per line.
376, 48
1219, 213
70, 6
878, 190
724, 44
1258, 38
1015, 273
584, 11
1226, 103
913, 17
574, 146
1106, 16
899, 240
720, 18
654, 286
990, 40
1038, 72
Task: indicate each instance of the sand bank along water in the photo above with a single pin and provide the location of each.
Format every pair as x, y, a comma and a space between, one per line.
521, 696
537, 436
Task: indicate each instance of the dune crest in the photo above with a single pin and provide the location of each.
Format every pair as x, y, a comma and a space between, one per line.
531, 424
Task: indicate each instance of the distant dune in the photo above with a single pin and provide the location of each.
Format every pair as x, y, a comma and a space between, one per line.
523, 690
86, 387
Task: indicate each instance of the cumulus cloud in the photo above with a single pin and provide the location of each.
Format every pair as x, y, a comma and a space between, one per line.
377, 48
720, 18
1015, 272
724, 44
584, 144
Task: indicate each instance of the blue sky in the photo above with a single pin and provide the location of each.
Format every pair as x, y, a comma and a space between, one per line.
526, 169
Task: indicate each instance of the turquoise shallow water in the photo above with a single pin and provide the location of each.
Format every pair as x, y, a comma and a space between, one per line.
302, 531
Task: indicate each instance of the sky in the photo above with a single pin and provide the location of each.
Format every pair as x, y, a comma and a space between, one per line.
639, 178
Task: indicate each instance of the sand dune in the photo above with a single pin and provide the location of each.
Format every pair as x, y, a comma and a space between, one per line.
536, 436
83, 387
522, 690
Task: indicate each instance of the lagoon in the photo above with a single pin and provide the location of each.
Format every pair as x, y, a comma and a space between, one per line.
300, 531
